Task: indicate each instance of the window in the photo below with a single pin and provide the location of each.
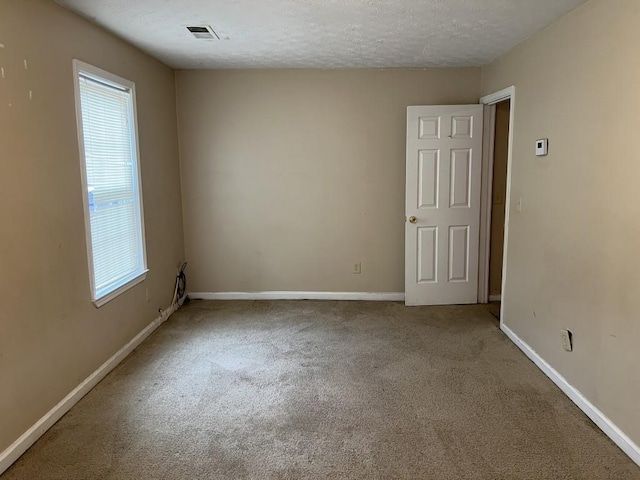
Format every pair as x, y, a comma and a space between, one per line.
107, 134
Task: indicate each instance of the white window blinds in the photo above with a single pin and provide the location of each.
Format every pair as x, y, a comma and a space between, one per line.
113, 206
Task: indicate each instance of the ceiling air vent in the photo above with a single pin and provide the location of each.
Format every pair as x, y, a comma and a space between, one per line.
203, 32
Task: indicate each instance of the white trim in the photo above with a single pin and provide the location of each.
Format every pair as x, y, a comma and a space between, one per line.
121, 289
369, 296
109, 78
17, 448
498, 97
495, 298
609, 428
507, 93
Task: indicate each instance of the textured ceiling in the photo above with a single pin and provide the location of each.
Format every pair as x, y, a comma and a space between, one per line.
325, 33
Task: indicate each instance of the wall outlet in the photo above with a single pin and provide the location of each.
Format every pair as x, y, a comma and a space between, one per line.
357, 268
519, 205
148, 294
567, 340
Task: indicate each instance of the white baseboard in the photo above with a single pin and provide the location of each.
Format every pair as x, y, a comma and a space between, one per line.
600, 419
495, 298
369, 296
17, 448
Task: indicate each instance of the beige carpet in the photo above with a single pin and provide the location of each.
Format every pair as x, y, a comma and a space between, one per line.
339, 390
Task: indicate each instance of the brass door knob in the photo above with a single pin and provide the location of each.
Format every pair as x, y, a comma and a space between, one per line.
413, 219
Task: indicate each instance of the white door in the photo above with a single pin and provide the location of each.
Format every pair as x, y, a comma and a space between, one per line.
444, 163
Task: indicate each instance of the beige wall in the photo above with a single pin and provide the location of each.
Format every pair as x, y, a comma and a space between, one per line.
51, 336
498, 194
573, 251
291, 176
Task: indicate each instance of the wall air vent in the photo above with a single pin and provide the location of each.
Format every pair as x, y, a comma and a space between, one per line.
203, 32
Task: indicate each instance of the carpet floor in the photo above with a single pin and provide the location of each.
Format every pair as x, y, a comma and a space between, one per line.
325, 390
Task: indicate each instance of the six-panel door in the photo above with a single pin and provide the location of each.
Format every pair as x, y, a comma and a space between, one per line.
444, 156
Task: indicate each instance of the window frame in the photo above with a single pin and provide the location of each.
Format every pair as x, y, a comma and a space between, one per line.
109, 79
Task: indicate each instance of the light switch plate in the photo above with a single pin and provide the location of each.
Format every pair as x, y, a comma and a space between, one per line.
542, 147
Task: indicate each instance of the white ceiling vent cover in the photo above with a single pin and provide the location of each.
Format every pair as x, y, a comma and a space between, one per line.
203, 32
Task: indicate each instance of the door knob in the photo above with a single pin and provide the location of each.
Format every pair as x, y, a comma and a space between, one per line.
413, 219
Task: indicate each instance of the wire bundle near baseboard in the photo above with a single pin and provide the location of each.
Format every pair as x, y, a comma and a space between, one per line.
179, 292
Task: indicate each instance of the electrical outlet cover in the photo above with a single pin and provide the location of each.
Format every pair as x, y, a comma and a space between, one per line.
567, 342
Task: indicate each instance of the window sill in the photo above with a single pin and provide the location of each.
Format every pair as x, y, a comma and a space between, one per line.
98, 302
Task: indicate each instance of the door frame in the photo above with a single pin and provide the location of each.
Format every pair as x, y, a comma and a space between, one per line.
486, 192
490, 101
